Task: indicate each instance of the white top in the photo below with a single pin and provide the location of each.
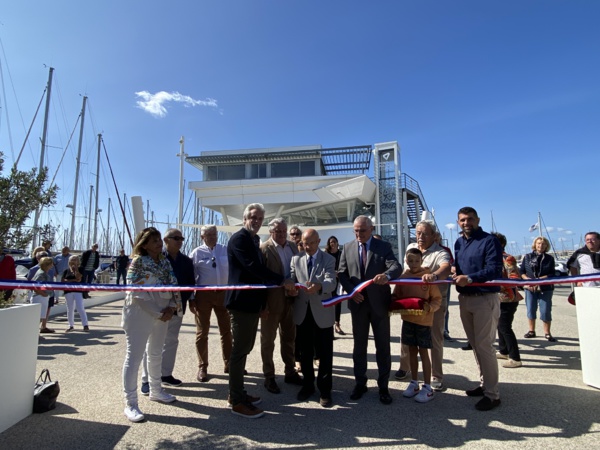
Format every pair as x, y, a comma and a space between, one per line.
586, 267
285, 254
204, 259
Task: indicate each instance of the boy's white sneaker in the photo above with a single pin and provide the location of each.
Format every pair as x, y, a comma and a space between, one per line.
425, 395
411, 390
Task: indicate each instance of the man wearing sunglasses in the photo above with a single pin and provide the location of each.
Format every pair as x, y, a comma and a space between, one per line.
211, 268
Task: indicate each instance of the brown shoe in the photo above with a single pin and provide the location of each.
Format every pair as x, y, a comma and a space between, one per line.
202, 376
46, 330
247, 410
271, 386
293, 378
255, 401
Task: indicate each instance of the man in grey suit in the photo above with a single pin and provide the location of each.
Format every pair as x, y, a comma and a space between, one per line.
364, 259
278, 253
316, 270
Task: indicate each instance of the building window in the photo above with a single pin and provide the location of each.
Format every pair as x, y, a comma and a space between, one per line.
230, 172
307, 168
258, 170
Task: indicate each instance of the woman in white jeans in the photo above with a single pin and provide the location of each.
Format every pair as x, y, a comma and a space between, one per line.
74, 298
145, 317
42, 296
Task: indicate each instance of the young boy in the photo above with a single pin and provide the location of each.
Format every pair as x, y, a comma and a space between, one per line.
416, 329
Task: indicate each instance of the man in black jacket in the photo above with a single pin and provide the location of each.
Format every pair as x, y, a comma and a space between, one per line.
246, 266
90, 261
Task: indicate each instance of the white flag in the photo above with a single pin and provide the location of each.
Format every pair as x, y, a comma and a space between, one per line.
533, 227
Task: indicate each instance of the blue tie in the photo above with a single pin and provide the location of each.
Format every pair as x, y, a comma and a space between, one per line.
309, 266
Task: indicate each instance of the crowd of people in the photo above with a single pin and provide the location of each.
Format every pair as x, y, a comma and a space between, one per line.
291, 258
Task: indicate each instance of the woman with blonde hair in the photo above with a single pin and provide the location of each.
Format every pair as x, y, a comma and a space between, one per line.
538, 265
145, 317
74, 299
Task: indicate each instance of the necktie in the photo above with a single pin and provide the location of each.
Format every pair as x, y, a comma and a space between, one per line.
363, 260
309, 266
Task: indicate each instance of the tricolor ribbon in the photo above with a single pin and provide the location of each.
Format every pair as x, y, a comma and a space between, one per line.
18, 284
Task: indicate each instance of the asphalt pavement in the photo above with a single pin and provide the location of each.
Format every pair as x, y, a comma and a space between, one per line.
545, 403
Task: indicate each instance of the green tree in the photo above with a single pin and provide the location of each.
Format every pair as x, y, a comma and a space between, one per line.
21, 193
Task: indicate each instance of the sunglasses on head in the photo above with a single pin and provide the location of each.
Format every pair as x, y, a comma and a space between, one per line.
177, 238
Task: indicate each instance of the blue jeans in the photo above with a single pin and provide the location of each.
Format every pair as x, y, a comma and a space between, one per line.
544, 299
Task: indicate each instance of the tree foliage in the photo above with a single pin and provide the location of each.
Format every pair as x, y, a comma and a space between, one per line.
21, 193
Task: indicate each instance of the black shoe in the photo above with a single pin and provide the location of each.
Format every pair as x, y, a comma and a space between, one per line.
385, 397
325, 401
467, 347
477, 392
271, 386
486, 403
358, 392
447, 337
145, 389
202, 376
293, 378
170, 381
305, 393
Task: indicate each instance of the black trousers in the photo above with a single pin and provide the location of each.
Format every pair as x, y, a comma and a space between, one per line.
507, 341
311, 338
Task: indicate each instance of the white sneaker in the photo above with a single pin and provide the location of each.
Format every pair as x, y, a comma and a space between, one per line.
512, 364
133, 413
412, 389
501, 356
162, 396
425, 395
438, 386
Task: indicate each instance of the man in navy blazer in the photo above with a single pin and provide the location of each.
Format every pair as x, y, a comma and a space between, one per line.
246, 266
363, 259
316, 270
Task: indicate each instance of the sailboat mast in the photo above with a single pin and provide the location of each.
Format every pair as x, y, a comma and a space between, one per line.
97, 191
74, 205
89, 227
36, 217
540, 223
182, 156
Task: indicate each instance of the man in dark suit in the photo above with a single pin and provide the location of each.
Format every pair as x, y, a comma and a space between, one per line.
316, 270
246, 266
278, 253
364, 259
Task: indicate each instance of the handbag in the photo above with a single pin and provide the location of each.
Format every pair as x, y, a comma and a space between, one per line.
45, 393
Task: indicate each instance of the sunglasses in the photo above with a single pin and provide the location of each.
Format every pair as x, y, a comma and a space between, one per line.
296, 233
177, 238
214, 263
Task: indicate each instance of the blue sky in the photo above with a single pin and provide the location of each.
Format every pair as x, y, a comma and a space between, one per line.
494, 104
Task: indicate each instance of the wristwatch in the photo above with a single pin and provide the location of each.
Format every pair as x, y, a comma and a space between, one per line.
469, 279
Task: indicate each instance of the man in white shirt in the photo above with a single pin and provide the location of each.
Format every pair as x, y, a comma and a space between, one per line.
586, 260
210, 268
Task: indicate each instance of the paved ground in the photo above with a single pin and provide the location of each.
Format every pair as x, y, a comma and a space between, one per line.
544, 404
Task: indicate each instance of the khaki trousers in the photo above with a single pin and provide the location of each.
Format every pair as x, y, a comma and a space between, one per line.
479, 316
208, 301
280, 318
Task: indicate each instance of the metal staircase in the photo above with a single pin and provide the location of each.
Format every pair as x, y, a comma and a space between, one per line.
414, 202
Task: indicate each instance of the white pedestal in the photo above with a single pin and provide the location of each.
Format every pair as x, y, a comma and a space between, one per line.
19, 331
587, 300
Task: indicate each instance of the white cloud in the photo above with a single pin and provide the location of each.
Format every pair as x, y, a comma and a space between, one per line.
154, 104
451, 226
550, 229
569, 232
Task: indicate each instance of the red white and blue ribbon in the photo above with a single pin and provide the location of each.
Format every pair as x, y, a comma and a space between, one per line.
18, 284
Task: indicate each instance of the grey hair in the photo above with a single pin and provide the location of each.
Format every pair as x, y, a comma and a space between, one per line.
252, 206
206, 228
277, 221
365, 219
169, 231
430, 224
74, 258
